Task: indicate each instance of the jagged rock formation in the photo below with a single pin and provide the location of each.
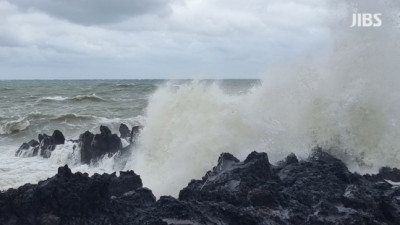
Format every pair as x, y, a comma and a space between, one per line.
319, 190
44, 146
95, 146
92, 146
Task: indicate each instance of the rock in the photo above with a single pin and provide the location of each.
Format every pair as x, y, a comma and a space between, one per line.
23, 147
96, 146
58, 137
40, 137
33, 143
45, 145
105, 131
69, 198
317, 190
124, 131
263, 198
134, 133
291, 159
385, 174
127, 181
85, 143
48, 143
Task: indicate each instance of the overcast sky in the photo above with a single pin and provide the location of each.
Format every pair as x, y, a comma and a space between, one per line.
104, 39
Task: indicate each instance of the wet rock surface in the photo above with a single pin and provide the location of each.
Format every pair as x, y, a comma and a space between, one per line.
94, 146
44, 146
318, 190
91, 146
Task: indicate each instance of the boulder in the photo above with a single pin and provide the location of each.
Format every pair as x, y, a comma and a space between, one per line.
85, 144
48, 143
124, 131
96, 146
58, 137
45, 145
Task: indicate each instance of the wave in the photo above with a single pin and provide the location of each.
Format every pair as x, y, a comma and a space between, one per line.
62, 117
53, 98
78, 98
92, 97
129, 85
14, 126
22, 123
346, 100
6, 89
73, 116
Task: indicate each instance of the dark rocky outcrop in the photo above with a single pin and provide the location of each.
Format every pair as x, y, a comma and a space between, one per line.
124, 131
44, 146
92, 146
75, 199
48, 143
26, 146
319, 190
129, 135
95, 146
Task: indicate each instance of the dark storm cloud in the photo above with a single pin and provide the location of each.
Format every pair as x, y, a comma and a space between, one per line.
90, 12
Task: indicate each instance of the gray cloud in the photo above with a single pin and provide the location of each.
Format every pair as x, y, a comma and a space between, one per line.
94, 12
206, 38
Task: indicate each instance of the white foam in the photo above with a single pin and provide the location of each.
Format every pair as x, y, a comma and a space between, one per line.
13, 126
346, 99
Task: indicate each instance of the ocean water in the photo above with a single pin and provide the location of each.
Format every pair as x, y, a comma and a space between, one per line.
189, 123
28, 108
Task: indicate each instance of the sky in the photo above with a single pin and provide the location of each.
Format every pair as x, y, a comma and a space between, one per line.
132, 39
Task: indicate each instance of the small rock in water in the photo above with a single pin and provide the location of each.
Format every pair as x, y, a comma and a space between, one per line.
124, 131
45, 145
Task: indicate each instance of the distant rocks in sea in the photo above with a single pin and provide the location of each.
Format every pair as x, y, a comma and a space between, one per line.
44, 146
92, 146
318, 190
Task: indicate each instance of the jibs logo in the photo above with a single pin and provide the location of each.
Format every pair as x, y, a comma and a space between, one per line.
366, 20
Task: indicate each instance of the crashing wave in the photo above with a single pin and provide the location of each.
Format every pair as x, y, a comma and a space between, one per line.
14, 126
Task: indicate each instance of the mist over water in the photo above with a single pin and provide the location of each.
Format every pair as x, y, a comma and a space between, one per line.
345, 98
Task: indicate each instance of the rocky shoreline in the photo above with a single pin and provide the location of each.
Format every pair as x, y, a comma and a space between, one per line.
318, 190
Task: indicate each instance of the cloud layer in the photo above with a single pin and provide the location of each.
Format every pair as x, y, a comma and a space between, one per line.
159, 39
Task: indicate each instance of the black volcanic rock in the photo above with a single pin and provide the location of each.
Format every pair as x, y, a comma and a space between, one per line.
95, 146
33, 143
105, 131
85, 143
69, 198
385, 173
318, 190
45, 145
58, 137
124, 131
48, 143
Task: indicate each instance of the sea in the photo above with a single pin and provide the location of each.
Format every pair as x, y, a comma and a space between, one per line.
187, 124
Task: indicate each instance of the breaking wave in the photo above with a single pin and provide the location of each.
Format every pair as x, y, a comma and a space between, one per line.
346, 100
8, 127
78, 98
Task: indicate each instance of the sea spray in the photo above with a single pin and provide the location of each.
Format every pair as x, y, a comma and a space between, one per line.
348, 104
